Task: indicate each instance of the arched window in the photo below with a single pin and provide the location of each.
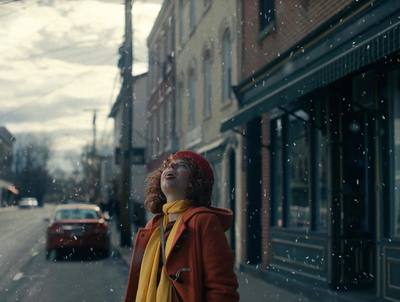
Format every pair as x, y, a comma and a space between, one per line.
192, 99
159, 130
168, 112
180, 17
192, 20
155, 130
226, 66
207, 86
179, 108
266, 13
163, 126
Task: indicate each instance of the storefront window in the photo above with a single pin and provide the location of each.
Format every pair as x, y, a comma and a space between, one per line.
276, 167
396, 126
322, 179
298, 170
299, 179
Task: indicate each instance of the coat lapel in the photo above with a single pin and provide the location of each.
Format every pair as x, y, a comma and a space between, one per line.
179, 232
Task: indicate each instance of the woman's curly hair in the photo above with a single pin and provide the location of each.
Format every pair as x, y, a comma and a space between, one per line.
199, 188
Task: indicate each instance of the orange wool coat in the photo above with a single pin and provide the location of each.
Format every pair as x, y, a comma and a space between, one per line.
200, 264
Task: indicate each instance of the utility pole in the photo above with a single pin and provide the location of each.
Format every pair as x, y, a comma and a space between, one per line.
94, 110
127, 121
94, 132
94, 162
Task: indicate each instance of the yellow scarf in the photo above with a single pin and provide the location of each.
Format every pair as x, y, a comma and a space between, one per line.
148, 291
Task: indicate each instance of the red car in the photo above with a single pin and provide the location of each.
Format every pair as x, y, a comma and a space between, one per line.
78, 226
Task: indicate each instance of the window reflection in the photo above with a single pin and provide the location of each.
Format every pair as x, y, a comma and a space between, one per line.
322, 177
396, 125
277, 179
298, 162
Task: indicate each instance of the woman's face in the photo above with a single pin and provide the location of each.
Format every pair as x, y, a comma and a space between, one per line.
175, 179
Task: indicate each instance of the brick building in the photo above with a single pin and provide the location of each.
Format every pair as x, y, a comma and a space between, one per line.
319, 113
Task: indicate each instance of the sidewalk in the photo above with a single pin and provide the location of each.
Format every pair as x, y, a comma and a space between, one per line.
251, 289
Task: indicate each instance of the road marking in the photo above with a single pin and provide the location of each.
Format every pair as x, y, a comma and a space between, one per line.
18, 276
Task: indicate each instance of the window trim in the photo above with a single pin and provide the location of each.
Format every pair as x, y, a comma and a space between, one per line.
192, 99
180, 107
181, 17
263, 5
265, 29
192, 15
207, 101
226, 86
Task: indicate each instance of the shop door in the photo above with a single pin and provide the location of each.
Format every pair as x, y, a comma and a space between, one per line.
354, 235
254, 190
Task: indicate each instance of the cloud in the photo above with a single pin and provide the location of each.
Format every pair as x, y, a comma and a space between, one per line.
59, 59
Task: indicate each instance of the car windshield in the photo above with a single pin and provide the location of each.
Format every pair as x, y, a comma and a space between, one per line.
76, 214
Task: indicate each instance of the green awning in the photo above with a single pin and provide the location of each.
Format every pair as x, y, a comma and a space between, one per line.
365, 39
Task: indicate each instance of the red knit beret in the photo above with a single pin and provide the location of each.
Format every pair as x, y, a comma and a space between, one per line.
201, 162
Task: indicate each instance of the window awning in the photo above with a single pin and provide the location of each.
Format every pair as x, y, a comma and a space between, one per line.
367, 37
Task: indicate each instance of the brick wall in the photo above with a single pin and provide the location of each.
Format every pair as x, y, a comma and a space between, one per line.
294, 19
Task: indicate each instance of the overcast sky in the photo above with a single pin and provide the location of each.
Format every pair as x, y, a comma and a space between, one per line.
58, 59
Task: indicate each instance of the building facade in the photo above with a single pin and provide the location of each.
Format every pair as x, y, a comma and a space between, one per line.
138, 146
207, 40
7, 189
161, 136
319, 110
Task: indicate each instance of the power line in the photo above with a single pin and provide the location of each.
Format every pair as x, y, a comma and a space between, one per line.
75, 77
66, 48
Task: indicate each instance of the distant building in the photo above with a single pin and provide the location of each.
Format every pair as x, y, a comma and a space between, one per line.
7, 189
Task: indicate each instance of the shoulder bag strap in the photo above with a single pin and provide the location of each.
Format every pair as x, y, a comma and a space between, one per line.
174, 291
162, 240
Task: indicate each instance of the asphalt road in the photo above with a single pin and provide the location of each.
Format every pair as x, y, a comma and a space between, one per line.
25, 274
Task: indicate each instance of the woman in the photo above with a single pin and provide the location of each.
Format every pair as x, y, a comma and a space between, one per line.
182, 254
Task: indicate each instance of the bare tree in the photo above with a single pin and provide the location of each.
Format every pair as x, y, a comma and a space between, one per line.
31, 158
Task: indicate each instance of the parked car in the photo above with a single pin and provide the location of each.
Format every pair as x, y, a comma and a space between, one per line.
28, 202
79, 226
